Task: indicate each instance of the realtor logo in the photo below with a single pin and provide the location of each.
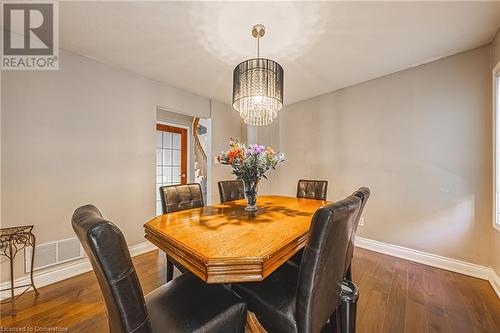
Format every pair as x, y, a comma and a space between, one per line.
30, 36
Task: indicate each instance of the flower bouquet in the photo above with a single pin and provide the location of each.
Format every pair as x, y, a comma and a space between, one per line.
250, 163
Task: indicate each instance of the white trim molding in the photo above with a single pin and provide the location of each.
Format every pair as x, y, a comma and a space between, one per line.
496, 157
458, 266
62, 272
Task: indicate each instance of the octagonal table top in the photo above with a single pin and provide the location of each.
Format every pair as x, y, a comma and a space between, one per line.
224, 243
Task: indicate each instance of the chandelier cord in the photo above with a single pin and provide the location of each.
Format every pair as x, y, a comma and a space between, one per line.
258, 46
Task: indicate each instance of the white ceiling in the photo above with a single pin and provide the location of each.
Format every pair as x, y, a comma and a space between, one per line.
322, 46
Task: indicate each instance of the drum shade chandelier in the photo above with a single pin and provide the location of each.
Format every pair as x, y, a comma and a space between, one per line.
258, 87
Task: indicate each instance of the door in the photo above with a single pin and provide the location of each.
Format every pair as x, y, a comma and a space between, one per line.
171, 158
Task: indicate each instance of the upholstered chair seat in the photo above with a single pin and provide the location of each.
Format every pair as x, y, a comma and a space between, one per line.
274, 299
230, 190
175, 198
303, 299
186, 304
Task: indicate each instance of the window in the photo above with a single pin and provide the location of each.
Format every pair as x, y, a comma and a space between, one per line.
496, 82
171, 149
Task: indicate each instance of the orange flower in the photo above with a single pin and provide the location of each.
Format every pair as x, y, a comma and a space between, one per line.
234, 152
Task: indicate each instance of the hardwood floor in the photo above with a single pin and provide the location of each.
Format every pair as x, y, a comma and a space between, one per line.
395, 296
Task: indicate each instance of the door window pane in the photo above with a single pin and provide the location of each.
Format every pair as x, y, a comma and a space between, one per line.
176, 175
176, 160
176, 141
167, 156
159, 153
167, 139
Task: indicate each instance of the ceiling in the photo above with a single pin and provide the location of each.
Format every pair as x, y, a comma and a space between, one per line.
322, 46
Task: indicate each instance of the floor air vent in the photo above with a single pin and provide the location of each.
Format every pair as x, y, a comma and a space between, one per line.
53, 253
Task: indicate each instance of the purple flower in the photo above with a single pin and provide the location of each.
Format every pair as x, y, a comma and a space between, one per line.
255, 149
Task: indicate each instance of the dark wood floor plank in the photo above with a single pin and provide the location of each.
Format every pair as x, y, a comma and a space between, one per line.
396, 303
415, 318
431, 300
438, 324
474, 300
416, 292
456, 310
434, 292
371, 321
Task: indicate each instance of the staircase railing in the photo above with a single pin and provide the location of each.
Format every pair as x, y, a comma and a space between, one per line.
201, 156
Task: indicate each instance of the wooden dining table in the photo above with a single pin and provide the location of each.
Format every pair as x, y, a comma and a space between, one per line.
224, 243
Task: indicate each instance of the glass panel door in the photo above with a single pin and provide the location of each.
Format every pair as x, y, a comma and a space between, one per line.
171, 158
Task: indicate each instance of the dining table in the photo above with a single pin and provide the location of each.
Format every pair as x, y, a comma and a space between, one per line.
224, 243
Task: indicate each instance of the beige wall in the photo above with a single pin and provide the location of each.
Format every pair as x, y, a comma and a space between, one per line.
225, 124
84, 134
495, 48
420, 139
495, 52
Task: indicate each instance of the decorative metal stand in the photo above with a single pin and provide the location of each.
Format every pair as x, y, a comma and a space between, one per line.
12, 240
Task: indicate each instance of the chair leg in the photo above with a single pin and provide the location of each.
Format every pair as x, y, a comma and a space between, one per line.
347, 314
170, 270
334, 322
346, 311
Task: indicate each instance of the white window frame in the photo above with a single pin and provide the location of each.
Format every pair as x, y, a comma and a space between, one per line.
496, 146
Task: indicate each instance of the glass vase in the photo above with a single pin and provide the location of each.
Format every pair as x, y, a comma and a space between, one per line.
251, 194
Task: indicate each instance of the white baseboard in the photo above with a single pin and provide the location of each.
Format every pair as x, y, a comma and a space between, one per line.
458, 266
142, 248
495, 282
65, 271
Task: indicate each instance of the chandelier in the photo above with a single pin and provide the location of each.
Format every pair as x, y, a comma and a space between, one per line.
258, 87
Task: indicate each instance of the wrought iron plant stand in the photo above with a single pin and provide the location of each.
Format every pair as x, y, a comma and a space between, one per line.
12, 240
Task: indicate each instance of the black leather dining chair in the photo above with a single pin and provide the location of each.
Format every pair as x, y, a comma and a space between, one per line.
312, 189
303, 299
175, 198
363, 193
309, 189
186, 304
230, 190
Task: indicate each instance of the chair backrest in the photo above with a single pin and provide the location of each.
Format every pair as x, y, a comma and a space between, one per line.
312, 189
175, 198
108, 252
363, 193
230, 190
322, 267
